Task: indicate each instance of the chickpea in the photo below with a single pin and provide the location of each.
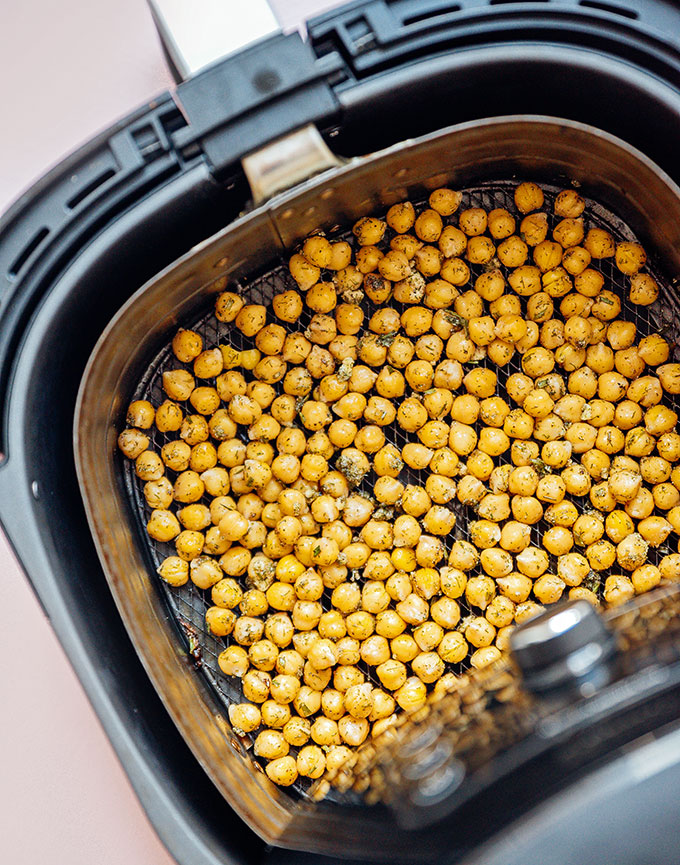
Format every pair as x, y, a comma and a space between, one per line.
572, 568
528, 197
569, 231
480, 632
643, 289
445, 201
525, 280
547, 255
532, 562
548, 588
428, 226
133, 444
575, 260
599, 243
618, 590
534, 228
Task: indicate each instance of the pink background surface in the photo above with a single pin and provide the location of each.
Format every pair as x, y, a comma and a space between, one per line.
67, 70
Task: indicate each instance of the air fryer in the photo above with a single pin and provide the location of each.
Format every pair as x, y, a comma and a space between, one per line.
170, 176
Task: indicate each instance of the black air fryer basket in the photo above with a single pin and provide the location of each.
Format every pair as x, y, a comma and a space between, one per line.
197, 171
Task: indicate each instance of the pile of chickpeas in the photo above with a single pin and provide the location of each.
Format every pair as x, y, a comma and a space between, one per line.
437, 429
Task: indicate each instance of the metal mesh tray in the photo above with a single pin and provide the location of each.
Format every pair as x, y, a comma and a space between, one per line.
188, 604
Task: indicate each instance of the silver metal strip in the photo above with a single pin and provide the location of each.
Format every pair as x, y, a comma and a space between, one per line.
196, 33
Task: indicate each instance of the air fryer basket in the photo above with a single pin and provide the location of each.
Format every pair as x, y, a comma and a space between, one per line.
481, 158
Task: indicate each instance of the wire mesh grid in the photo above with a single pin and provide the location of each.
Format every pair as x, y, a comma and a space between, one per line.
188, 604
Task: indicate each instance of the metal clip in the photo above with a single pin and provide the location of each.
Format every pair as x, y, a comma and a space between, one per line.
287, 161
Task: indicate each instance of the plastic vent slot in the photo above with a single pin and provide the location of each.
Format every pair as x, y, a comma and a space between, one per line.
89, 188
632, 14
429, 14
27, 251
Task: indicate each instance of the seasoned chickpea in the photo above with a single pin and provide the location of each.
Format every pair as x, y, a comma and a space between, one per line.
587, 529
528, 197
548, 588
271, 745
445, 201
618, 590
532, 562
534, 228
572, 568
547, 255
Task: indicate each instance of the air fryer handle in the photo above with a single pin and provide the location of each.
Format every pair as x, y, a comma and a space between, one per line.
249, 92
196, 33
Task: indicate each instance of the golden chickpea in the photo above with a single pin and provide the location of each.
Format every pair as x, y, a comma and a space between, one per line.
558, 540
569, 231
481, 382
572, 568
575, 260
569, 203
401, 217
643, 289
227, 307
528, 197
607, 306
480, 250
369, 230
445, 201
666, 496
244, 718
512, 252
524, 452
490, 285
473, 221
515, 536
163, 526
526, 509
655, 530
133, 444
263, 653
668, 447
618, 590
340, 256
547, 255
310, 763
149, 466
525, 280
532, 562
174, 571
428, 667
428, 226
247, 631
233, 661
534, 228
480, 632
548, 588
538, 403
501, 223
256, 685
306, 703
515, 587
496, 563
576, 480
538, 361
669, 376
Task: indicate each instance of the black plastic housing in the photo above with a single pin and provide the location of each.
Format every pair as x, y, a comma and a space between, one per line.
147, 190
